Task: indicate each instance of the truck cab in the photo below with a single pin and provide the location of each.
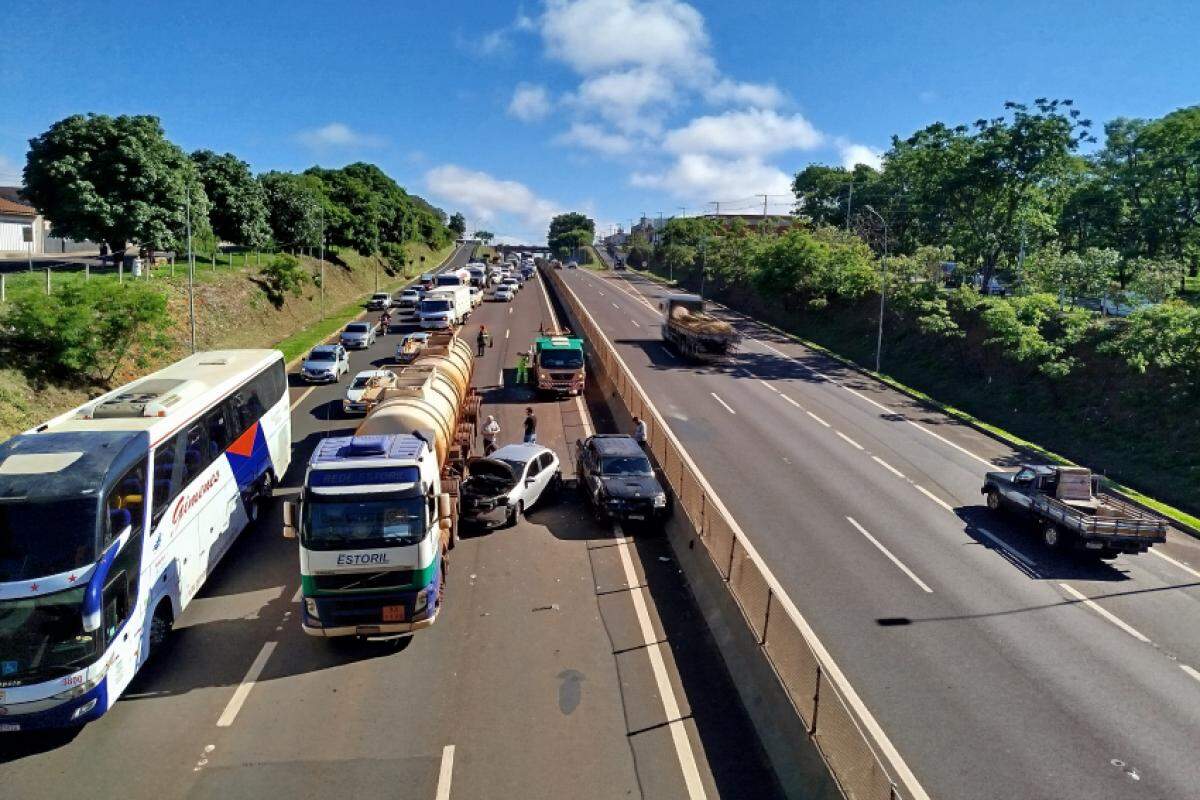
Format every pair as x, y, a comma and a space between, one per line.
558, 364
371, 520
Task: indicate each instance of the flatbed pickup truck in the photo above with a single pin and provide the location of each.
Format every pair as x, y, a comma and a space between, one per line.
1066, 505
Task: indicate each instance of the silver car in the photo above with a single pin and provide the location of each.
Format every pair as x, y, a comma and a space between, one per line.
326, 363
358, 336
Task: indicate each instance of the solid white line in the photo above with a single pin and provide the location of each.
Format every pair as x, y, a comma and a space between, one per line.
1012, 551
446, 773
1179, 564
849, 440
934, 498
887, 466
500, 380
1190, 671
790, 400
891, 557
769, 386
510, 309
585, 418
869, 400
818, 419
722, 402
683, 745
300, 399
299, 594
944, 440
1108, 615
243, 691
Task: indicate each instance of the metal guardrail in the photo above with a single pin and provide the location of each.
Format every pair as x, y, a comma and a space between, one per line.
859, 755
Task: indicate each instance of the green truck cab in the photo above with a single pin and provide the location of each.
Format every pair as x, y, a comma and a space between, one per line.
558, 364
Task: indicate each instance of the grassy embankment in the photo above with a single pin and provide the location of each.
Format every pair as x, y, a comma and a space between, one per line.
232, 311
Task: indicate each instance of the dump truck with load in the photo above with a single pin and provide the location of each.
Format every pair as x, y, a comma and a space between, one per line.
558, 366
1070, 512
695, 333
379, 510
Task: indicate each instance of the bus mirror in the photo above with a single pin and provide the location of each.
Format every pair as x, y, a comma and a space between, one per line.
289, 520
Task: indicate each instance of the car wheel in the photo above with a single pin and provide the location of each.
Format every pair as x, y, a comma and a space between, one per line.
993, 500
1053, 536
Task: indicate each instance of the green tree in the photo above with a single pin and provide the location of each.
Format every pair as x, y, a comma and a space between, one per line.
1155, 279
457, 224
570, 230
814, 268
484, 236
89, 329
283, 275
296, 208
239, 204
1164, 339
824, 193
113, 180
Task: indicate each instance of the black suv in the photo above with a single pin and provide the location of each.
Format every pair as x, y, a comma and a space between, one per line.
618, 481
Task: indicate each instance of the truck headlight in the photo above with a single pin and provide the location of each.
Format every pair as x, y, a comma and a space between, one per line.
85, 708
310, 608
422, 600
660, 500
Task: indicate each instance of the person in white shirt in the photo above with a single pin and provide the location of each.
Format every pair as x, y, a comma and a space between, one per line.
639, 431
491, 429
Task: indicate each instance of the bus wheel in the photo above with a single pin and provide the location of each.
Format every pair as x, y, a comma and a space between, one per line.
262, 496
161, 626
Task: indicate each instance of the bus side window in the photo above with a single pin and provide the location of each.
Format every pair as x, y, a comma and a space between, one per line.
220, 435
168, 475
195, 453
126, 504
121, 590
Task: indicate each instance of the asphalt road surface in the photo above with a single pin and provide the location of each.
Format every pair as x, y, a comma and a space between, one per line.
998, 668
568, 662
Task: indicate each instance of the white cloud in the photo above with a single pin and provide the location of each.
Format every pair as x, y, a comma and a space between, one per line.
594, 36
493, 42
699, 177
337, 135
529, 103
758, 95
751, 132
593, 137
488, 197
853, 154
633, 100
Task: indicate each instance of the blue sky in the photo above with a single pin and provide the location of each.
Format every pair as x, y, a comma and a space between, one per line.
511, 112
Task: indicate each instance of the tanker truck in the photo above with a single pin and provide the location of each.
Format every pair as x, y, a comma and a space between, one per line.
379, 510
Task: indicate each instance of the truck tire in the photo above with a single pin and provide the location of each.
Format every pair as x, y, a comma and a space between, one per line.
1053, 536
993, 501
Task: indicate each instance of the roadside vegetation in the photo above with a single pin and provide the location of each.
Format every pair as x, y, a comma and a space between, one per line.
1010, 201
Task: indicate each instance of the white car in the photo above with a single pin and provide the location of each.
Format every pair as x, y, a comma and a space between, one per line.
380, 301
409, 299
509, 482
372, 378
326, 363
476, 295
512, 283
503, 294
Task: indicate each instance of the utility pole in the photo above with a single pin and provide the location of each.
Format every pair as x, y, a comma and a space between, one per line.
682, 210
882, 285
703, 265
849, 203
322, 262
764, 197
191, 272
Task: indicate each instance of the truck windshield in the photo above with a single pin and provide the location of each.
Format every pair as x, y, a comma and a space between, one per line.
433, 306
46, 537
561, 359
626, 465
42, 638
341, 522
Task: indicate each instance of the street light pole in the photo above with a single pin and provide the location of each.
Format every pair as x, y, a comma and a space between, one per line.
882, 285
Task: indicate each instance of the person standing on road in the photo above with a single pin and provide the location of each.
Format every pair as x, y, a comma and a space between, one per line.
481, 341
523, 367
491, 429
639, 431
530, 426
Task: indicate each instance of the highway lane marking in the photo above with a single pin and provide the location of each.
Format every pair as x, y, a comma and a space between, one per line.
445, 773
636, 324
934, 497
585, 419
891, 557
888, 467
1012, 551
500, 380
1108, 615
818, 419
638, 297
1192, 673
944, 440
790, 400
1180, 564
614, 305
300, 399
769, 386
299, 594
875, 732
850, 441
722, 402
243, 691
683, 745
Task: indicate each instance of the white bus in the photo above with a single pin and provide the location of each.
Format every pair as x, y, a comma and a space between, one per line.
112, 516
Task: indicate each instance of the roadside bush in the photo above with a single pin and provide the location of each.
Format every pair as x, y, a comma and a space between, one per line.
1165, 339
393, 258
283, 275
89, 330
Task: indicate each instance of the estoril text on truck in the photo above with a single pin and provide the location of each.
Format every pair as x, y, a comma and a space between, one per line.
379, 510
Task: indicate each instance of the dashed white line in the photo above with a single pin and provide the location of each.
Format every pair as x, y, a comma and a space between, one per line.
1192, 673
683, 746
614, 305
636, 324
1180, 564
445, 773
1012, 551
818, 419
500, 380
849, 441
769, 386
243, 691
300, 399
887, 466
1108, 615
790, 400
507, 331
722, 402
891, 557
934, 497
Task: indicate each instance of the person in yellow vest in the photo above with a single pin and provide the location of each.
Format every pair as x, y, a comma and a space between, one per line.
523, 367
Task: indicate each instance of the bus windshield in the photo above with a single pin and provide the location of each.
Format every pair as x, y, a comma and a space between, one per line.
561, 359
42, 638
40, 538
339, 522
